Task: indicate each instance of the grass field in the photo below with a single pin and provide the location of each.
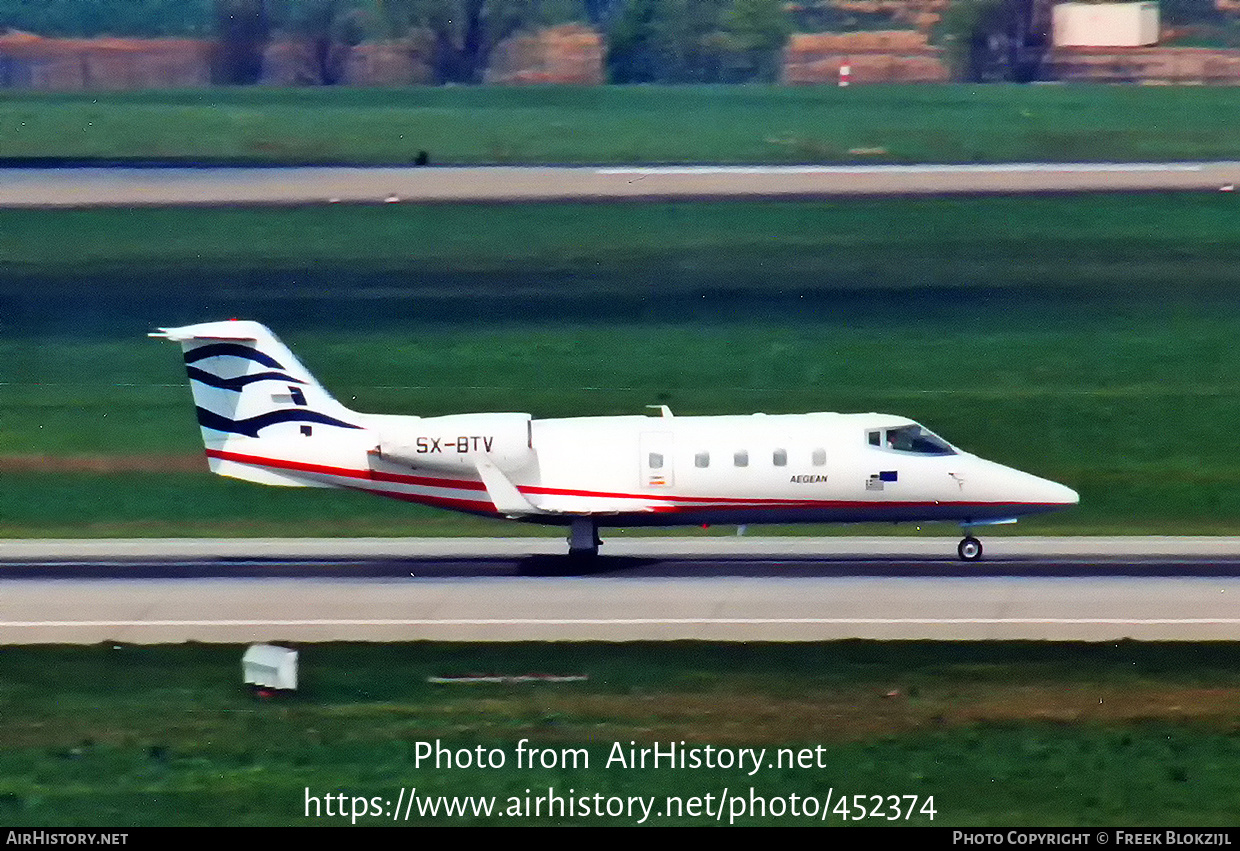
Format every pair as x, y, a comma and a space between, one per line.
1089, 340
1129, 242
931, 123
1014, 734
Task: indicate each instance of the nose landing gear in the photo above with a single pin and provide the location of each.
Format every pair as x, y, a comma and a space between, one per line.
970, 549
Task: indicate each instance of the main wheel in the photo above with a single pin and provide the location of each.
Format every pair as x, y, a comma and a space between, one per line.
583, 539
970, 549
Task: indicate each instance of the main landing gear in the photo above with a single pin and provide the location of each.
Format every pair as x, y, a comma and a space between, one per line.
583, 539
970, 549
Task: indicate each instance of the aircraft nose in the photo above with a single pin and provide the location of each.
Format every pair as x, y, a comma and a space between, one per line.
1053, 493
1067, 495
1035, 493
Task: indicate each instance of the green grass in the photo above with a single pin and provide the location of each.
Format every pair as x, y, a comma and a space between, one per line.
1104, 241
999, 734
940, 123
1127, 411
59, 504
1089, 340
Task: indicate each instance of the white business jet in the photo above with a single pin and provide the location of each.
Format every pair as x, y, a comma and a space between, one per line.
265, 419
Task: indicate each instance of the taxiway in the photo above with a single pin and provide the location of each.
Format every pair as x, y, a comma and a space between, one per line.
173, 186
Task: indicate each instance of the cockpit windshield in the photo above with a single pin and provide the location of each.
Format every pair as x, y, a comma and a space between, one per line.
918, 440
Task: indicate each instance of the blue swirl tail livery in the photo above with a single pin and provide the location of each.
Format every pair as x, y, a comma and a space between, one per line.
266, 419
249, 387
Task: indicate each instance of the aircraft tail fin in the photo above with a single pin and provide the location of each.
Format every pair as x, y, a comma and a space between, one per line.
246, 383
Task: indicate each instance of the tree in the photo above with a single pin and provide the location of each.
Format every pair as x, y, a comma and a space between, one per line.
754, 35
992, 40
328, 29
666, 41
463, 32
630, 55
241, 30
89, 18
697, 41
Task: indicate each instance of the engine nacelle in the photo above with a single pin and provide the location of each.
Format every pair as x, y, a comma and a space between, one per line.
452, 442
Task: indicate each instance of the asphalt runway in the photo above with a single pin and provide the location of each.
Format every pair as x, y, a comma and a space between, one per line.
122, 186
716, 589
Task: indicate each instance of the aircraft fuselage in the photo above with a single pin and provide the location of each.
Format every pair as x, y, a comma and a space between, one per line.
264, 418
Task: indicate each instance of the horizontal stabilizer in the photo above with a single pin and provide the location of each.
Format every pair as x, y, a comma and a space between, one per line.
208, 331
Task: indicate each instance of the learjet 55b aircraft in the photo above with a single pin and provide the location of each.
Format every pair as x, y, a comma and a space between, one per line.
265, 419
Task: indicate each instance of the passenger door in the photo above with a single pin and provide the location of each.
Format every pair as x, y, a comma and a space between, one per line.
657, 466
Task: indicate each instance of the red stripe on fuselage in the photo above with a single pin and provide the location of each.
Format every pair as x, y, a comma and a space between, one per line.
686, 503
470, 505
347, 472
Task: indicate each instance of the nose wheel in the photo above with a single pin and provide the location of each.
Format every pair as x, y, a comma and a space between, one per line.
970, 549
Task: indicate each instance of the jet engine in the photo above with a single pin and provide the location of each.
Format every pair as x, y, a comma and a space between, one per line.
454, 442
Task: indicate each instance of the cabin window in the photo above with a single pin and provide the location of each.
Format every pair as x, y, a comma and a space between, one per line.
819, 457
741, 458
702, 459
876, 438
656, 460
780, 458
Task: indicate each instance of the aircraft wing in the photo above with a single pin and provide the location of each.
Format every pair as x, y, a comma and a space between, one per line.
503, 493
586, 506
512, 503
